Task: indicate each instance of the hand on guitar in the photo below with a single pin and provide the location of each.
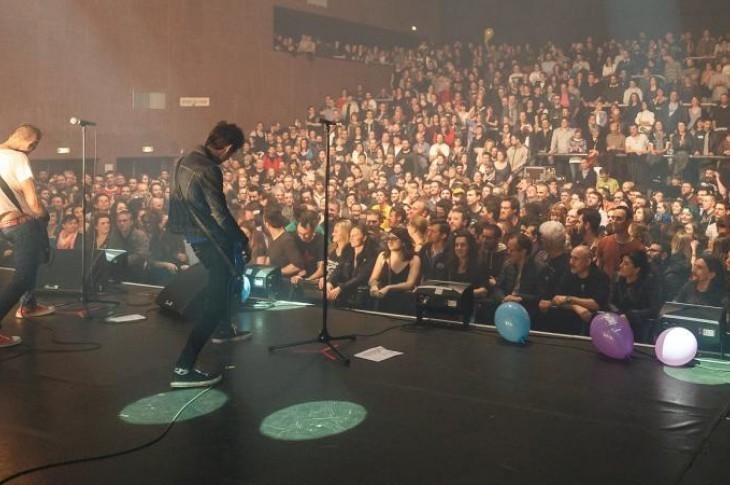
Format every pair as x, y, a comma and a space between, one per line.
241, 256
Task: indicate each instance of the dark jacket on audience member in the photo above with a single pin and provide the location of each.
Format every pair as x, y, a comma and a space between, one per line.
676, 274
529, 283
355, 270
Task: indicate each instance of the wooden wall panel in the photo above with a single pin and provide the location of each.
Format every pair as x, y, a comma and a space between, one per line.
86, 57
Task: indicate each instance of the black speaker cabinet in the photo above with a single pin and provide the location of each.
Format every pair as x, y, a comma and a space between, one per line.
265, 281
63, 273
707, 323
445, 298
183, 294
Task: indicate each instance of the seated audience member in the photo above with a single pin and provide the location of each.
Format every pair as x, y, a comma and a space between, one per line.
492, 253
518, 280
433, 253
283, 250
353, 270
637, 294
707, 286
134, 241
610, 249
396, 273
311, 247
555, 263
676, 269
582, 292
69, 236
167, 251
102, 230
417, 227
257, 242
339, 248
462, 262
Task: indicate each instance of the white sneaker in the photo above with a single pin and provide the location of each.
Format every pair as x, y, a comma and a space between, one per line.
35, 311
6, 341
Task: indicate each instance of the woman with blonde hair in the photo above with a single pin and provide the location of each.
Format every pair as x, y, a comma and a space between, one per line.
339, 245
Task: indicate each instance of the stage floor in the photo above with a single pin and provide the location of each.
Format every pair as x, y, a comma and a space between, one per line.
459, 407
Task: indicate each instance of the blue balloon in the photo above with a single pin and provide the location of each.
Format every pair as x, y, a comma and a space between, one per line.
246, 290
513, 322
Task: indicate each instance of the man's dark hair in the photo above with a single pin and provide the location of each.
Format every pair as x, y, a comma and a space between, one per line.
224, 134
275, 218
463, 211
308, 219
723, 221
523, 243
443, 226
592, 217
628, 210
494, 228
513, 202
400, 212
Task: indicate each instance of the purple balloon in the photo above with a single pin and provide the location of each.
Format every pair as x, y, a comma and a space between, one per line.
612, 336
676, 346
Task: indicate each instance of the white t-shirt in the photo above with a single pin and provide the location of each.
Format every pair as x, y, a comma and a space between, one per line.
15, 169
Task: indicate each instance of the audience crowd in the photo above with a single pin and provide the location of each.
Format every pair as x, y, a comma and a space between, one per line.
571, 180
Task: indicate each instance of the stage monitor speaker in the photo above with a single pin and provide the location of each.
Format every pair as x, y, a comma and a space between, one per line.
63, 273
439, 298
265, 281
707, 323
183, 294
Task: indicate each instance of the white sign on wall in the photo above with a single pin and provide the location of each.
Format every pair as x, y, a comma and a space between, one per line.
189, 102
317, 3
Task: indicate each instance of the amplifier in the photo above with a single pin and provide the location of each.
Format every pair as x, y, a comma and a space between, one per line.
265, 281
707, 323
437, 298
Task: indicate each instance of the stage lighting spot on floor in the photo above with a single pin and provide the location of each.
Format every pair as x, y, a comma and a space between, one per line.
312, 420
711, 372
162, 408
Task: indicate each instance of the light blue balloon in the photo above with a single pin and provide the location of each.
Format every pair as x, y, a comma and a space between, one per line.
513, 322
246, 290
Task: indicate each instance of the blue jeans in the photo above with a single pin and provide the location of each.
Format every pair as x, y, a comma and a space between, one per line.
27, 245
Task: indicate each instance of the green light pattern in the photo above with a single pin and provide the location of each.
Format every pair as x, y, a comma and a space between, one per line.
312, 420
162, 408
710, 372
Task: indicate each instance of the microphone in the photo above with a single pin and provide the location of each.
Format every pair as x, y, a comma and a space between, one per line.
325, 121
78, 121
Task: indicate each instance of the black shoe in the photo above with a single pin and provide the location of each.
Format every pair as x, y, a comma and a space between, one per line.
183, 378
229, 335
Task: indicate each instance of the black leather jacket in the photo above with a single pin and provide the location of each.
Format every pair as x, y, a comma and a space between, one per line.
200, 183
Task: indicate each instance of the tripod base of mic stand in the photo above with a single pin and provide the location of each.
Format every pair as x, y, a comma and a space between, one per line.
85, 309
323, 338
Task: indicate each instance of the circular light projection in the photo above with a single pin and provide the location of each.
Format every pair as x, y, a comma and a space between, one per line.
312, 420
162, 408
709, 372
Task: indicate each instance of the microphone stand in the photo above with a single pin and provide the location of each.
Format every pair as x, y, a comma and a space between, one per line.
324, 336
83, 304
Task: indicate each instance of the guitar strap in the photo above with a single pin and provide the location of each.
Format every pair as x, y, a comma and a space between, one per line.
11, 195
44, 234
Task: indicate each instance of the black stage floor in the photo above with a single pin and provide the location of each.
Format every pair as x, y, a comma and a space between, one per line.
457, 408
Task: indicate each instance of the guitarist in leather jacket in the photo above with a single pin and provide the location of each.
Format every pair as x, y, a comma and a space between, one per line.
23, 220
198, 210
